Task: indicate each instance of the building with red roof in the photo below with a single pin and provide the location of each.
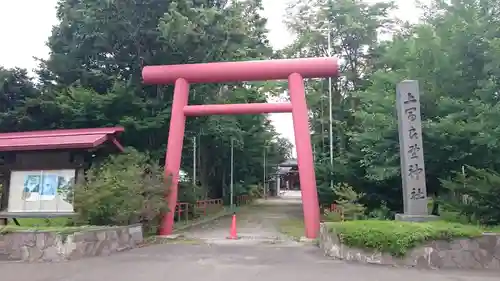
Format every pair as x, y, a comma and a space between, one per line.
37, 168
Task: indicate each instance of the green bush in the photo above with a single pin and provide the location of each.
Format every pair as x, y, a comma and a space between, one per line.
254, 191
240, 189
348, 201
474, 196
123, 189
381, 213
326, 192
332, 216
396, 237
190, 193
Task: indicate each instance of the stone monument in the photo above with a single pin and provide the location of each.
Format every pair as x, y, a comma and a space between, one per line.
411, 152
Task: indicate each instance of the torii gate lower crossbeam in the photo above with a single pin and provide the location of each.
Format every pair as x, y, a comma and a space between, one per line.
295, 70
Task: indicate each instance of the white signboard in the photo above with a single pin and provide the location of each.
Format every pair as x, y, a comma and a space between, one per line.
411, 150
45, 191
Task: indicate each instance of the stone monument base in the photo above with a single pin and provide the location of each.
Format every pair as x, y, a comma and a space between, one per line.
416, 218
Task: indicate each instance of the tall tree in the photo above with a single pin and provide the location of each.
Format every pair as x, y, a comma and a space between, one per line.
94, 72
454, 54
22, 105
353, 28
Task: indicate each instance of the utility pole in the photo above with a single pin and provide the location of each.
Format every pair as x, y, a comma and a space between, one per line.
232, 176
330, 107
194, 160
264, 174
330, 98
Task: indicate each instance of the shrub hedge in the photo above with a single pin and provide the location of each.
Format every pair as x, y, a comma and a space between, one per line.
397, 237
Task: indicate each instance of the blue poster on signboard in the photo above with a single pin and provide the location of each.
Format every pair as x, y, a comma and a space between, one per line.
32, 183
49, 186
31, 187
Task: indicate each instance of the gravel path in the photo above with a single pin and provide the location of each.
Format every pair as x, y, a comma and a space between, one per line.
256, 224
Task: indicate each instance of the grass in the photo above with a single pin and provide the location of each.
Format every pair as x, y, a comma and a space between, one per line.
493, 229
397, 237
63, 225
59, 225
58, 229
43, 222
293, 228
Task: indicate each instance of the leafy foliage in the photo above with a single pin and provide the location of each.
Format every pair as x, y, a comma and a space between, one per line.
381, 213
332, 216
454, 54
326, 192
473, 195
92, 78
190, 193
122, 190
348, 201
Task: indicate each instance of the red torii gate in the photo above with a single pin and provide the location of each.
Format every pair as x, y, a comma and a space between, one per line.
295, 70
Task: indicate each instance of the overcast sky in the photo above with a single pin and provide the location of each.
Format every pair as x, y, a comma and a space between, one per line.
26, 24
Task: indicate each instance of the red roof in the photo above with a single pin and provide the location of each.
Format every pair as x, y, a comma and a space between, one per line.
59, 139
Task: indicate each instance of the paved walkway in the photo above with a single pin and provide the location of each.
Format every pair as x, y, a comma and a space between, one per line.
219, 260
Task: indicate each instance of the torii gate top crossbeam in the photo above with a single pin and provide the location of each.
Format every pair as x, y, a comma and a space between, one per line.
224, 72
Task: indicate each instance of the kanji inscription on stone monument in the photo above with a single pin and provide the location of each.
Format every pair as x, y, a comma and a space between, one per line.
411, 149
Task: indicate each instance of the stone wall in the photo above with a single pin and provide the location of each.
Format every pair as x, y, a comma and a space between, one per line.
55, 247
476, 253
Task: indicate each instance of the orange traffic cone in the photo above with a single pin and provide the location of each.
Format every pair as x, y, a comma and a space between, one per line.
233, 233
